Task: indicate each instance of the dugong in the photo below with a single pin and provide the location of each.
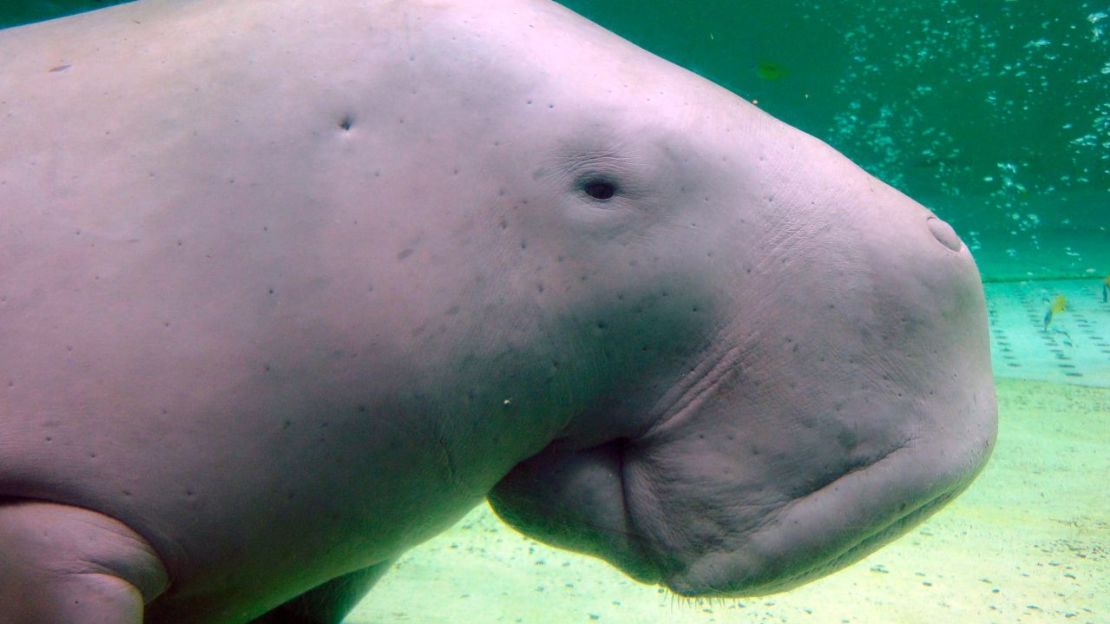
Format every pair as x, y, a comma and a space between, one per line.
288, 286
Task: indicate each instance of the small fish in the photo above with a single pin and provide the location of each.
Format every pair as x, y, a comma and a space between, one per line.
1059, 304
769, 70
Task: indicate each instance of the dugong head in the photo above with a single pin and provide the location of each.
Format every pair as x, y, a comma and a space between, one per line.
779, 362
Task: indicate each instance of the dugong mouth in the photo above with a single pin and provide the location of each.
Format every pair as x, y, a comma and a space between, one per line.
755, 573
629, 503
831, 528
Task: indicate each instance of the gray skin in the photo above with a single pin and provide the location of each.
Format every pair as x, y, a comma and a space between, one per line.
287, 287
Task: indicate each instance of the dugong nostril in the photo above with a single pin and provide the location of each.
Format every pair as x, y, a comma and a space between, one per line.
944, 233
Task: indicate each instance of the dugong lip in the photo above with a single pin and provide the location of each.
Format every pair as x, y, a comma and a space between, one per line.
824, 531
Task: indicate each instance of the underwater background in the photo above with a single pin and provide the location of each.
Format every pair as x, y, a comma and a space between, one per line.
996, 115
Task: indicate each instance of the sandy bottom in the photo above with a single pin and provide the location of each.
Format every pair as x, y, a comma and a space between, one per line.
1028, 542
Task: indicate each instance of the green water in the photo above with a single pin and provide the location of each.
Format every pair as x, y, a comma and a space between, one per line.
15, 12
996, 115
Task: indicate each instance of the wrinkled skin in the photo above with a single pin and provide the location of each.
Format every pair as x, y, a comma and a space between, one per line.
287, 287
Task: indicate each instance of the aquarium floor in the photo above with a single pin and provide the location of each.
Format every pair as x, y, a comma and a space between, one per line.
1075, 348
1028, 543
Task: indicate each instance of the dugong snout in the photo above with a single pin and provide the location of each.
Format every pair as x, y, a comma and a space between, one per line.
848, 399
855, 428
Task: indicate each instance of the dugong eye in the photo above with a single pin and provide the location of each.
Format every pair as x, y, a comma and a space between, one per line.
599, 188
